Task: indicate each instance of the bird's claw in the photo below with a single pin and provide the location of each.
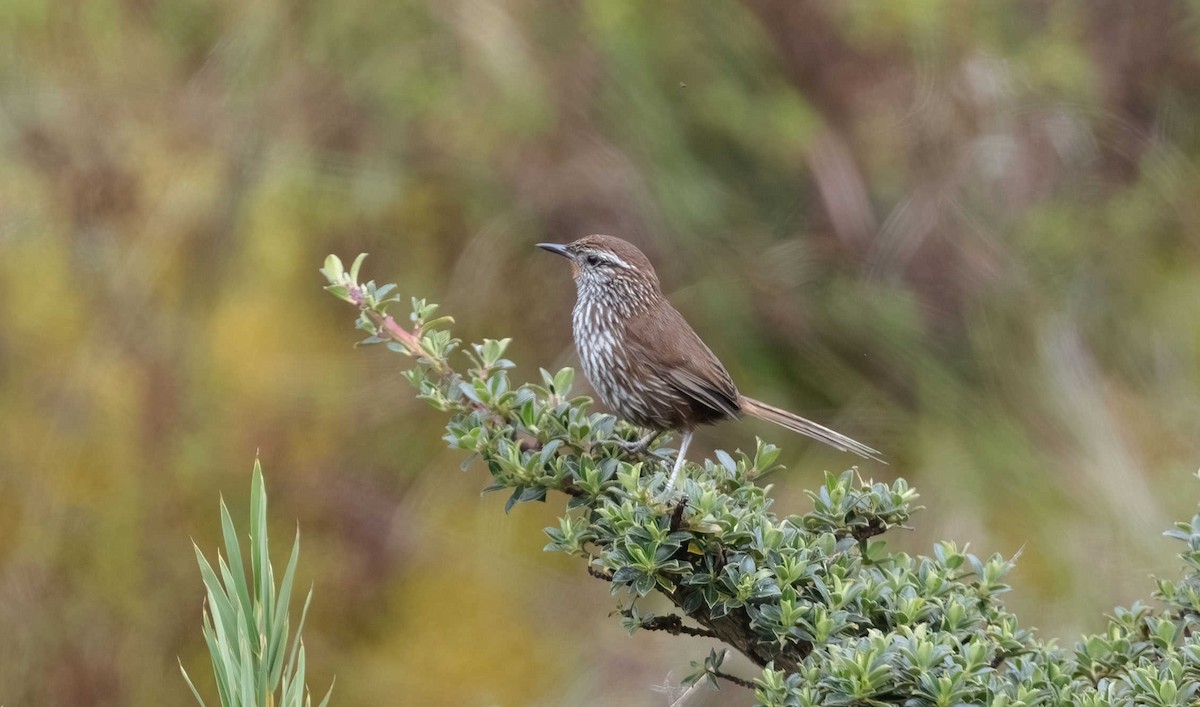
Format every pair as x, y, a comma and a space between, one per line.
636, 446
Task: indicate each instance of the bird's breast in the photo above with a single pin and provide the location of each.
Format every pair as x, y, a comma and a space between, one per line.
597, 339
606, 361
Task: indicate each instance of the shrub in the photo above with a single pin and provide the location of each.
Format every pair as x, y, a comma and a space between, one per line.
815, 599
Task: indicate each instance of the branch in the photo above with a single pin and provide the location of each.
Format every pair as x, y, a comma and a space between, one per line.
741, 682
673, 624
870, 530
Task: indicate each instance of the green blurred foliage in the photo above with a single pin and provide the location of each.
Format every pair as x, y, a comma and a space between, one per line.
966, 234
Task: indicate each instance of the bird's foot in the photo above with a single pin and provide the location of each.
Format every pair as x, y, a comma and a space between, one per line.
631, 446
638, 446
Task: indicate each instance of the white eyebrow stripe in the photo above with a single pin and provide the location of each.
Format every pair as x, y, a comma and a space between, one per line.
614, 259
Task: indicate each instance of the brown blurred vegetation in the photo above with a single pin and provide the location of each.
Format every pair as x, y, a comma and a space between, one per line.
966, 233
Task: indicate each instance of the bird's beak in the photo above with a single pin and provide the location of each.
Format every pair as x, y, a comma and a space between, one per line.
556, 248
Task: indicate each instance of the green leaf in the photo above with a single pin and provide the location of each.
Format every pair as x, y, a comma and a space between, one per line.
340, 291
234, 552
563, 381
357, 264
328, 693
382, 293
333, 269
512, 500
187, 678
279, 635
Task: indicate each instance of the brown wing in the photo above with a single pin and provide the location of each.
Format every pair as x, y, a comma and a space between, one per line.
661, 340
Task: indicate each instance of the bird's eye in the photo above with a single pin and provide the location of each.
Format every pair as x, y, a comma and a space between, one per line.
593, 260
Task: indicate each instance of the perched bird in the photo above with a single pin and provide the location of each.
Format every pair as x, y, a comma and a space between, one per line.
647, 363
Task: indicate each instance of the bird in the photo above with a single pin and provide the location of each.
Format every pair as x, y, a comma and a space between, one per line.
648, 364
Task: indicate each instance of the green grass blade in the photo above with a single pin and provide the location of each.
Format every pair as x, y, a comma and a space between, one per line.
267, 631
228, 662
328, 694
295, 695
287, 695
233, 551
188, 678
260, 560
218, 602
258, 533
285, 689
227, 579
297, 643
249, 694
279, 639
214, 654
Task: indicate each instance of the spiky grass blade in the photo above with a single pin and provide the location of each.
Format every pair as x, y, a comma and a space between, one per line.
195, 692
233, 551
246, 622
276, 647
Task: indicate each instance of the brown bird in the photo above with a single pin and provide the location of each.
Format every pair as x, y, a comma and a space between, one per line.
647, 363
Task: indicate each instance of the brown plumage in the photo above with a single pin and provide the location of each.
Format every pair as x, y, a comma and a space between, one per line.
647, 363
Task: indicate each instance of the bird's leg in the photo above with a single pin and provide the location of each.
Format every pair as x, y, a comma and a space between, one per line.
640, 445
683, 445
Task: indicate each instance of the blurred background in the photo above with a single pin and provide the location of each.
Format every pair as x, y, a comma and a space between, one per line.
966, 234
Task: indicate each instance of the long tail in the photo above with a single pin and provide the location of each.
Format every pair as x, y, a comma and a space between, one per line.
808, 428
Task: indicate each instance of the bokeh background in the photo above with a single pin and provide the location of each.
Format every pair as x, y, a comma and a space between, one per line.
965, 233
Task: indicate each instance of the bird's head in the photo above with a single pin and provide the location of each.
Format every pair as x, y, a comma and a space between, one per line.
605, 262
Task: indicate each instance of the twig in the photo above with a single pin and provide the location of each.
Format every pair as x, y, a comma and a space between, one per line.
873, 528
677, 514
742, 682
673, 624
